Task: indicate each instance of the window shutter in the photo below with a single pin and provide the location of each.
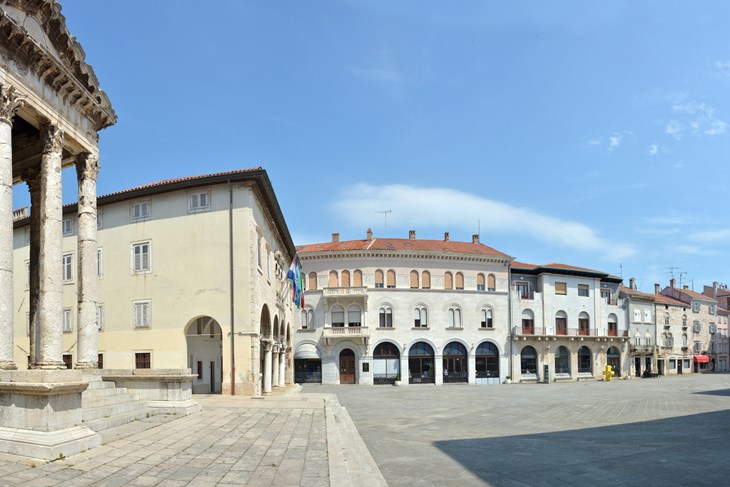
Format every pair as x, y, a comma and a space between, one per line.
391, 278
414, 279
448, 281
357, 279
459, 280
426, 280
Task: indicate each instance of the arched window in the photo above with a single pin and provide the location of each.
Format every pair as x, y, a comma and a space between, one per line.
379, 279
259, 256
454, 317
414, 279
584, 324
637, 316
448, 280
391, 279
561, 323
354, 315
491, 283
459, 280
528, 361
668, 340
487, 360
357, 279
481, 285
612, 325
338, 316
487, 320
562, 361
386, 363
307, 318
684, 321
385, 316
684, 340
421, 364
420, 317
426, 280
666, 319
345, 278
613, 358
333, 280
647, 316
585, 361
528, 322
312, 281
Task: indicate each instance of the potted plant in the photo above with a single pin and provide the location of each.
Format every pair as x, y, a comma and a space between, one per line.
397, 380
508, 379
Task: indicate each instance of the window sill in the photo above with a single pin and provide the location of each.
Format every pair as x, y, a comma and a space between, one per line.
421, 328
146, 327
306, 330
486, 328
454, 327
385, 328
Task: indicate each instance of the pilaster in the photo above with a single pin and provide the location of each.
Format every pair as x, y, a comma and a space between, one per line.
266, 379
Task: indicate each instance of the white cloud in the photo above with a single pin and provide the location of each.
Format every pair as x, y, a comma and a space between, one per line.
692, 250
699, 119
614, 141
447, 208
720, 235
723, 67
653, 149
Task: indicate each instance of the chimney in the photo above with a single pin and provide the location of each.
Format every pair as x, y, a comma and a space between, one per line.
671, 283
475, 238
411, 234
335, 237
714, 289
370, 234
446, 236
685, 287
657, 288
632, 283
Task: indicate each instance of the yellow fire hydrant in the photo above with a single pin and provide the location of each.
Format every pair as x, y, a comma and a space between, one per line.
608, 373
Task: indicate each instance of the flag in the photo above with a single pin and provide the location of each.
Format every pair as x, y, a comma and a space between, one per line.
297, 289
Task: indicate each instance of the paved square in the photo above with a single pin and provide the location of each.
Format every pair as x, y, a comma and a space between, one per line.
666, 431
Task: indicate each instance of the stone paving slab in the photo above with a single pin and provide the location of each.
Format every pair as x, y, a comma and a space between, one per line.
665, 431
281, 440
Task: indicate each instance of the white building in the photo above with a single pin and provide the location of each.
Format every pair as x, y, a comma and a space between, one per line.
424, 311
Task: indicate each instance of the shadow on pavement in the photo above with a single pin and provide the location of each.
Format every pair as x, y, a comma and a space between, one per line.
686, 450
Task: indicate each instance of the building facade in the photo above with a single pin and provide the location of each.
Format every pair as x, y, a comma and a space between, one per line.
191, 273
567, 323
641, 316
419, 311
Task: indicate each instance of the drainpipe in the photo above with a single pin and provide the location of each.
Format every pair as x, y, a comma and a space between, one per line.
230, 259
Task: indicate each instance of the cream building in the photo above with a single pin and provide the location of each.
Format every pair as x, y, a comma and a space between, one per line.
642, 311
191, 272
422, 311
567, 323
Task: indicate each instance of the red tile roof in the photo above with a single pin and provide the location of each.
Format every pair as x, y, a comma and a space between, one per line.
635, 292
402, 244
662, 299
695, 294
561, 267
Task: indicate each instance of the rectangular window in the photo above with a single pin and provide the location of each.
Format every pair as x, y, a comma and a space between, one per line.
141, 257
672, 364
67, 323
583, 290
68, 226
142, 360
101, 360
99, 221
99, 263
100, 316
68, 360
696, 307
606, 296
561, 288
561, 326
697, 347
583, 327
200, 369
712, 309
141, 314
68, 267
697, 327
523, 290
27, 274
140, 210
612, 329
198, 201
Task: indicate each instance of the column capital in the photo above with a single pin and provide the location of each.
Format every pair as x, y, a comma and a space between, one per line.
51, 138
10, 101
31, 175
87, 166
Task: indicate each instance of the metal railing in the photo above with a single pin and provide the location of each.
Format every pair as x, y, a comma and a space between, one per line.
344, 291
572, 332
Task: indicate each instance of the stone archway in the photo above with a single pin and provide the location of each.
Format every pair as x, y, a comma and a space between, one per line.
266, 342
204, 339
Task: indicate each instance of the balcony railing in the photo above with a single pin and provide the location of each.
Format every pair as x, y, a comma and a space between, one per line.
332, 334
572, 332
344, 291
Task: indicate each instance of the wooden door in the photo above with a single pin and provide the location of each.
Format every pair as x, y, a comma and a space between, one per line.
347, 367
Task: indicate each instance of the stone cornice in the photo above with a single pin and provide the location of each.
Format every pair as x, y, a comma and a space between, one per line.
379, 254
73, 79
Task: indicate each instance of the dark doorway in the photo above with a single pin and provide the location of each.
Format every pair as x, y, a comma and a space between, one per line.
347, 366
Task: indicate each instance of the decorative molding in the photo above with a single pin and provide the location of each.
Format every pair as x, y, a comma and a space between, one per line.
87, 166
51, 138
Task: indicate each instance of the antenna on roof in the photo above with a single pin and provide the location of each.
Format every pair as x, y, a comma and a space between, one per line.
671, 272
682, 275
621, 271
479, 227
385, 214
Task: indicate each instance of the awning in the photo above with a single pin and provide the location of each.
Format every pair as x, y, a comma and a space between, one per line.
701, 359
307, 351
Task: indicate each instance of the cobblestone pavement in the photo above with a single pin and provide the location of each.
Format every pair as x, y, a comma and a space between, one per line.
281, 440
665, 431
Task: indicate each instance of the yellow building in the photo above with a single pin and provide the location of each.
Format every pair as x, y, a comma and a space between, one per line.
191, 273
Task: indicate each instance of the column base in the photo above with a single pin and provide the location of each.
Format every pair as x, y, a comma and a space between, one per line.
86, 365
50, 366
7, 365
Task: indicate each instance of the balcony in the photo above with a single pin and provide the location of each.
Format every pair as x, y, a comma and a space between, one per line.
540, 331
338, 292
334, 334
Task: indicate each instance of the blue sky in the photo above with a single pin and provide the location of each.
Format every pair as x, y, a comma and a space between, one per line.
588, 133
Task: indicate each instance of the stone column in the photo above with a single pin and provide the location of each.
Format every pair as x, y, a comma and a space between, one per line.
9, 103
50, 310
32, 179
282, 367
87, 168
267, 367
275, 367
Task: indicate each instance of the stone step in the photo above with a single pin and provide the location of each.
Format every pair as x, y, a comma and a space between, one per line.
92, 413
96, 385
103, 424
106, 392
116, 397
